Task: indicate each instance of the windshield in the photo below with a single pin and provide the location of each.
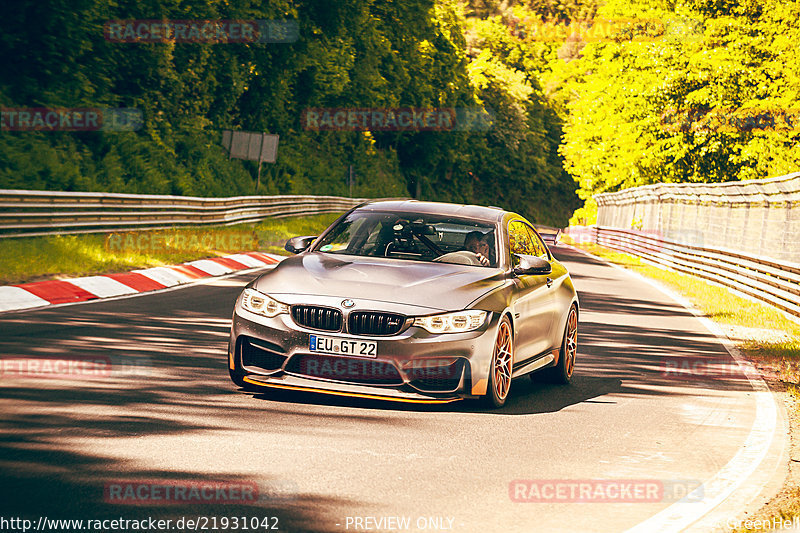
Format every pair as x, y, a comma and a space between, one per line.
412, 236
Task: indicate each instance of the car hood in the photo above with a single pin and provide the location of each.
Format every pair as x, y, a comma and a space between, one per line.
438, 286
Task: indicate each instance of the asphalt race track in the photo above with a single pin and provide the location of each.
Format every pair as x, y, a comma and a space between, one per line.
656, 401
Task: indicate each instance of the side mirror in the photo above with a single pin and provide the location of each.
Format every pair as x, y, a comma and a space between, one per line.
299, 244
531, 265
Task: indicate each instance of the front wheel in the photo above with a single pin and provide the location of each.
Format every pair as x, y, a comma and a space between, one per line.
562, 372
502, 362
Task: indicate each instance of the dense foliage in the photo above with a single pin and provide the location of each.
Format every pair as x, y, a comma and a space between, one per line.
598, 111
661, 90
349, 54
715, 97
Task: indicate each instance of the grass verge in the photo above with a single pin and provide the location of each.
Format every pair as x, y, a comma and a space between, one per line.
56, 256
764, 335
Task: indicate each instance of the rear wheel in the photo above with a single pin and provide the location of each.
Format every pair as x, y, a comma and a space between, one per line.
562, 372
502, 362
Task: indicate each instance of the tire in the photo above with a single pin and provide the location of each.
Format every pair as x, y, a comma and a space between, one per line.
502, 366
562, 372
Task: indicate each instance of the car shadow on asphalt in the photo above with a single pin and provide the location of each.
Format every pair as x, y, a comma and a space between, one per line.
39, 481
527, 397
64, 439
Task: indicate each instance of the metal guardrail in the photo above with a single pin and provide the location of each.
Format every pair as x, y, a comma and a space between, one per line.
34, 213
774, 282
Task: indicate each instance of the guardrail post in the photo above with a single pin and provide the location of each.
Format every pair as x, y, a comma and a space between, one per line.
787, 227
764, 227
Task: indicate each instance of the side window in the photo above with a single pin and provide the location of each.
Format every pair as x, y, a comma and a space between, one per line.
520, 241
538, 245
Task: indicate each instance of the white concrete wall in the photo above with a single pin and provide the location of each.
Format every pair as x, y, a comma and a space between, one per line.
760, 217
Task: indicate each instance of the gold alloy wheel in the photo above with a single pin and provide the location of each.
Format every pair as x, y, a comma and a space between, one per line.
501, 371
571, 344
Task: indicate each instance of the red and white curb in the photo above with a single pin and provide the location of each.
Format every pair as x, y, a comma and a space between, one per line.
52, 292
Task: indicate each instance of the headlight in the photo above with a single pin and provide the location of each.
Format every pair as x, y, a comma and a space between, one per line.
452, 322
260, 303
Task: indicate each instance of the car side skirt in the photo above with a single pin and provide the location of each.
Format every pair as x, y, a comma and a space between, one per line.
534, 364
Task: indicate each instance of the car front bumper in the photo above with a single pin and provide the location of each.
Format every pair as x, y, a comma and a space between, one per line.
413, 365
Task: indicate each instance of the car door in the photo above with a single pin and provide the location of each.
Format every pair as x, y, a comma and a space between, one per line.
533, 307
554, 282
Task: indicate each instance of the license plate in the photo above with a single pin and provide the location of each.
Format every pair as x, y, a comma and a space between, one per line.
338, 346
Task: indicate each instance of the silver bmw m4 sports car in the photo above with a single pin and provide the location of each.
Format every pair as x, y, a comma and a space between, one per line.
409, 301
